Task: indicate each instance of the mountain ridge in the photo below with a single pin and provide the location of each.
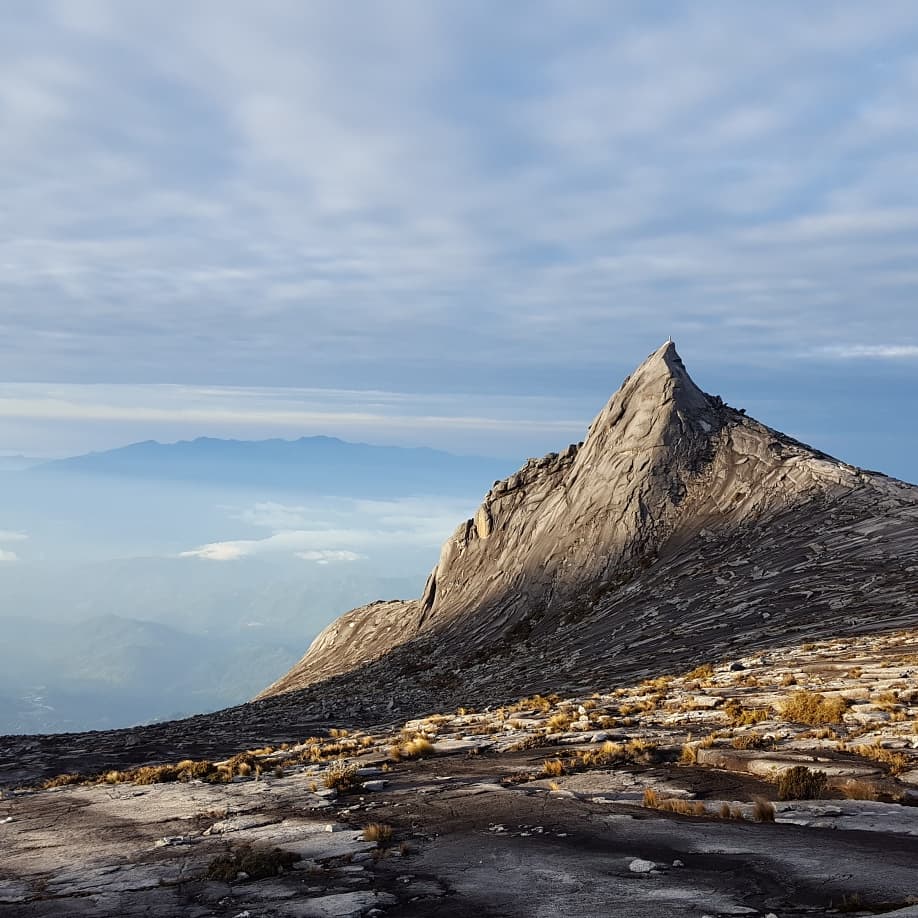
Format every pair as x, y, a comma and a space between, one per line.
664, 467
316, 464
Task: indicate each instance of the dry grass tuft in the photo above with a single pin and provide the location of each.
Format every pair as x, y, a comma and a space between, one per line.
763, 810
705, 671
753, 741
552, 768
683, 807
858, 790
63, 781
800, 783
741, 717
415, 747
558, 722
342, 778
814, 709
896, 762
379, 832
257, 863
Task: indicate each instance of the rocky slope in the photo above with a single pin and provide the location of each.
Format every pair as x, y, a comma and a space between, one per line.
678, 523
671, 796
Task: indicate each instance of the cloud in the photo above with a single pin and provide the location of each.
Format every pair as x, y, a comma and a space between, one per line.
453, 199
222, 551
298, 541
8, 556
272, 515
342, 530
326, 557
8, 535
445, 189
872, 351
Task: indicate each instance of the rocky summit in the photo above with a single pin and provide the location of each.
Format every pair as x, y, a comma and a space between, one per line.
679, 528
670, 670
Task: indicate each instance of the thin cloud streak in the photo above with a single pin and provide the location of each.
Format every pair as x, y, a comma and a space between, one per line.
872, 351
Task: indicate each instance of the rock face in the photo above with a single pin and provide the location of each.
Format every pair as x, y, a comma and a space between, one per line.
667, 478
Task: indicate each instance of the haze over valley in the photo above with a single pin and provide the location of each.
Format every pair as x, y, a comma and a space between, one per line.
164, 580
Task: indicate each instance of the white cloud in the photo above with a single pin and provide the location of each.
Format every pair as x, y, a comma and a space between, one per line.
348, 530
442, 190
6, 556
328, 556
872, 351
8, 535
222, 551
271, 515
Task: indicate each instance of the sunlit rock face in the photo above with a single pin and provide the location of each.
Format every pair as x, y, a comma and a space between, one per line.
678, 519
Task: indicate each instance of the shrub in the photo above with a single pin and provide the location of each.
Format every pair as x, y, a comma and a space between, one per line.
800, 783
741, 717
414, 748
532, 741
558, 722
256, 862
552, 768
814, 709
858, 790
343, 778
763, 810
378, 832
682, 807
651, 798
63, 781
896, 762
705, 671
753, 741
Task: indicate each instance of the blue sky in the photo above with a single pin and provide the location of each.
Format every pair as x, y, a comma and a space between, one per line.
456, 223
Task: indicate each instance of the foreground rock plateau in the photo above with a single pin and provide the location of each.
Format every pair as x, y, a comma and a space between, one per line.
672, 670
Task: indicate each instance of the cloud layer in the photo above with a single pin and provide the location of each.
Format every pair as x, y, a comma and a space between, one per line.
308, 194
339, 531
461, 198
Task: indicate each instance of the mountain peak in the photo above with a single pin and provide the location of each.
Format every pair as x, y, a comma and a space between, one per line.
664, 466
658, 406
663, 376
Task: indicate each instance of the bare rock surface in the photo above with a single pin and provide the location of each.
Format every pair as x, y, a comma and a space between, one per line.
498, 813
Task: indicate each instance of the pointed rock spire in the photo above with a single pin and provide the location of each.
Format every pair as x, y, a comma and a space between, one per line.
662, 460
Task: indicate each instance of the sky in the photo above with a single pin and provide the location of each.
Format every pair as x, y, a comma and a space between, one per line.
454, 223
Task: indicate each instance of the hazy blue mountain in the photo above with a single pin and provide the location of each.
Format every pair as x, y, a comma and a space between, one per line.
18, 463
110, 671
317, 465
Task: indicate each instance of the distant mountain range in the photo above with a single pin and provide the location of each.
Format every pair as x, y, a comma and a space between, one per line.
320, 465
18, 463
108, 670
